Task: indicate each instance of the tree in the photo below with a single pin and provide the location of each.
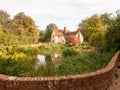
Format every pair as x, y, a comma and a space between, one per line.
1, 30
23, 25
42, 35
112, 36
20, 30
107, 19
49, 30
93, 29
4, 19
91, 25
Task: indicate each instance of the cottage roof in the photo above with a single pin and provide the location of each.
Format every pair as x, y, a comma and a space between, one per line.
72, 33
58, 32
71, 37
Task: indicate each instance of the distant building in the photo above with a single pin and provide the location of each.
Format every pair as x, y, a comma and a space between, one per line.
64, 36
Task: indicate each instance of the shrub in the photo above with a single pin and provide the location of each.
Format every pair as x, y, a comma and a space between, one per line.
17, 64
83, 63
69, 52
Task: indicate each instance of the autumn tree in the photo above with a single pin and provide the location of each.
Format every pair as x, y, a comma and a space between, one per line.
49, 30
4, 16
19, 30
23, 24
1, 30
4, 19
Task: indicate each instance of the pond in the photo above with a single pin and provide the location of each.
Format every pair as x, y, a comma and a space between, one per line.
54, 58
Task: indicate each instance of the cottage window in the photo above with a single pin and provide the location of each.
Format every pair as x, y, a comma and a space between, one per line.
52, 41
63, 41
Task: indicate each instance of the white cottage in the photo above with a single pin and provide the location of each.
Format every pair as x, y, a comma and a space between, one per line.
57, 36
64, 36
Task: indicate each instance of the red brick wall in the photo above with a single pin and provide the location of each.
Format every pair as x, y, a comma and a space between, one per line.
98, 80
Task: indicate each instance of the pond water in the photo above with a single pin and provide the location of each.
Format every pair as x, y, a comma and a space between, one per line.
26, 65
54, 58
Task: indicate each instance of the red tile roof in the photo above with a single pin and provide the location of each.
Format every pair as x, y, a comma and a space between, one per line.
72, 39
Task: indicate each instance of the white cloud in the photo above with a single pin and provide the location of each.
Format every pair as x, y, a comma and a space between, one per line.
62, 12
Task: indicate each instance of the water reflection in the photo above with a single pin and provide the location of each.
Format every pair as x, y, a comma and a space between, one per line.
54, 58
41, 59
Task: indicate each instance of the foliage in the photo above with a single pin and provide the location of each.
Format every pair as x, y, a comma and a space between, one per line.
84, 63
28, 50
19, 30
16, 64
50, 48
23, 25
83, 48
112, 36
4, 19
49, 30
102, 31
92, 25
23, 64
42, 36
69, 52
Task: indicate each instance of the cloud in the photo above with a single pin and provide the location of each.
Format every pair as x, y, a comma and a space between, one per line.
62, 12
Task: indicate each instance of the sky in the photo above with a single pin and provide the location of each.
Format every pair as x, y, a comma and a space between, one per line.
64, 13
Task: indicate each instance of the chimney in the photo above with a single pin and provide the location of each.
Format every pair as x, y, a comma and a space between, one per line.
78, 30
65, 30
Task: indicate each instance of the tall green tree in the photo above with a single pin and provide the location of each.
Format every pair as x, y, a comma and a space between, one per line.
107, 19
112, 36
49, 30
92, 25
41, 35
93, 30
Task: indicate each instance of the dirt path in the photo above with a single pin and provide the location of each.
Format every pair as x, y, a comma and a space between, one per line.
116, 81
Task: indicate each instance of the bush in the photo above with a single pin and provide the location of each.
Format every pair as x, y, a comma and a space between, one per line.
84, 63
29, 50
50, 48
69, 52
17, 64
